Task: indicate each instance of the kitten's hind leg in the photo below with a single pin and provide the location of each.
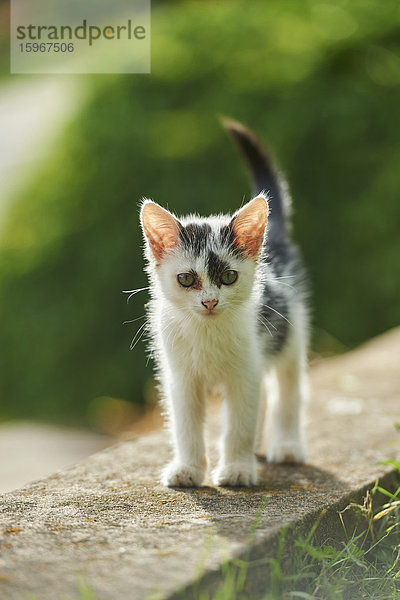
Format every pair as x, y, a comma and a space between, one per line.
260, 447
285, 419
268, 397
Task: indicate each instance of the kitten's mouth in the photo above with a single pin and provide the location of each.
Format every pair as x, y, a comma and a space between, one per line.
209, 313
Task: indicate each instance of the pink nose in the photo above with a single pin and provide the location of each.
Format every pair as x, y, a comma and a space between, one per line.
210, 304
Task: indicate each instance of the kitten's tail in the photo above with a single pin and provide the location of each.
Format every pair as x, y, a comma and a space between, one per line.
265, 177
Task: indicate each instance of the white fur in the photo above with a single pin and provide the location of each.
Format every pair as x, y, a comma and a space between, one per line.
197, 353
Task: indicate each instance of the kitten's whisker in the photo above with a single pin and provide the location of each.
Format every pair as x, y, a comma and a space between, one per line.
133, 292
136, 290
287, 285
269, 322
138, 335
174, 333
138, 340
132, 346
133, 320
266, 326
278, 313
164, 329
276, 280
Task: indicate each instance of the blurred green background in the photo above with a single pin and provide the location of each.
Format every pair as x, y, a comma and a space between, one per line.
317, 80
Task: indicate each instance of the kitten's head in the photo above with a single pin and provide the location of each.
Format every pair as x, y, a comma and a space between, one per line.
205, 266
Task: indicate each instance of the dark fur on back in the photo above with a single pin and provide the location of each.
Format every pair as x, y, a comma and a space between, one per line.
279, 256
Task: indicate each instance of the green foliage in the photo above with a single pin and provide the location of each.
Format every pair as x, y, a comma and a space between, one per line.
363, 566
318, 79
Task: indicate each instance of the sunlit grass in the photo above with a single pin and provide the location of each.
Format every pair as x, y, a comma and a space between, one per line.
364, 565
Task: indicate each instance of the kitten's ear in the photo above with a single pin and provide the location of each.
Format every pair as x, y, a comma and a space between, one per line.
249, 224
160, 228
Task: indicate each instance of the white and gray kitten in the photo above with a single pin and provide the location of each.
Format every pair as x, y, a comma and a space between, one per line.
227, 313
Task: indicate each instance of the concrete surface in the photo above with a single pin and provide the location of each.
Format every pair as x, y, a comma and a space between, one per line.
107, 522
31, 451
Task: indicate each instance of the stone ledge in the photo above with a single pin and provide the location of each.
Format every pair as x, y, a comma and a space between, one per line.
109, 522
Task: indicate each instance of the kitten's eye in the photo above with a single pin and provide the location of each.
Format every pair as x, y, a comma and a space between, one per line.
186, 279
229, 277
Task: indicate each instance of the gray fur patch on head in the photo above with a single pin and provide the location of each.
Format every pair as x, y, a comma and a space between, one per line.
215, 267
202, 237
227, 239
196, 237
207, 239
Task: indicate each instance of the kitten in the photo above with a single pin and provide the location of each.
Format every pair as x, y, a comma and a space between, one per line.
226, 309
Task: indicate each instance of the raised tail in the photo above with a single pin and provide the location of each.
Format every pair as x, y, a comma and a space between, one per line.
265, 177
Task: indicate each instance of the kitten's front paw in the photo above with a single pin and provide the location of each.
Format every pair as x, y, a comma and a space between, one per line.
291, 451
180, 475
237, 474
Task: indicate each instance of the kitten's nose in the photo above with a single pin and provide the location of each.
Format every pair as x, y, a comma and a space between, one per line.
210, 304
